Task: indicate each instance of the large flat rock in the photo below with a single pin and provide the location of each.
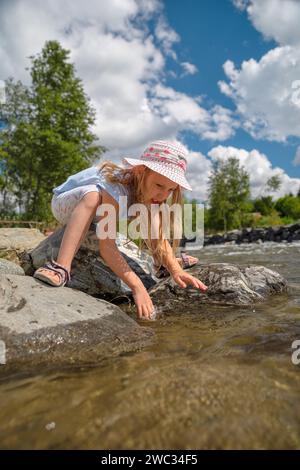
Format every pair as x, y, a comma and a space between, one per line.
14, 241
8, 267
43, 325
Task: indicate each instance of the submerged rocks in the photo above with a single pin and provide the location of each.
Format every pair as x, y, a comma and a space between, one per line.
40, 324
227, 285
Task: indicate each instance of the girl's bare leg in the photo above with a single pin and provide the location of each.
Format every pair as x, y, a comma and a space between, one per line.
86, 228
75, 232
77, 228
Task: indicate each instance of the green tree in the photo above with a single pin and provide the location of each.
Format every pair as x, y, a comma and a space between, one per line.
48, 134
229, 190
264, 205
14, 112
288, 206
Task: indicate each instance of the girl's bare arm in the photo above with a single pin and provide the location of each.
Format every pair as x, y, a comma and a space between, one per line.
170, 261
181, 277
115, 261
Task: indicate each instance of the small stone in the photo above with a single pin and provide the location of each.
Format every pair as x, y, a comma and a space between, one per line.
50, 426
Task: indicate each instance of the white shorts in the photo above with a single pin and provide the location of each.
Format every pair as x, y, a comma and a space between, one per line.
62, 205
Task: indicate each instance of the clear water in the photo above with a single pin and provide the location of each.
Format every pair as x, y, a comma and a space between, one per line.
216, 377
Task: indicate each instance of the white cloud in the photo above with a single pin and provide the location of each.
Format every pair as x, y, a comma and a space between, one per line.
259, 168
189, 69
198, 170
166, 36
263, 93
178, 110
263, 89
240, 4
222, 125
122, 65
275, 19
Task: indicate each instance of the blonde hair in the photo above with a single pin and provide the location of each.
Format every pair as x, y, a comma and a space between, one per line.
134, 178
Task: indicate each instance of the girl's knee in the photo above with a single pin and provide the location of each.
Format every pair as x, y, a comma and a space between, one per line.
91, 200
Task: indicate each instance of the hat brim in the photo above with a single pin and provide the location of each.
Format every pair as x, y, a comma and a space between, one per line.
174, 175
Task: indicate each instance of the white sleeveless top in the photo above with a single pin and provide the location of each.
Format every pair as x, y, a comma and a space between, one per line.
94, 176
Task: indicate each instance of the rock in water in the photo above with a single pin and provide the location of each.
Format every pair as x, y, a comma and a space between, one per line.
40, 324
227, 285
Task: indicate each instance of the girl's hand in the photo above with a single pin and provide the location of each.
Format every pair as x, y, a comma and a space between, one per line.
143, 303
183, 279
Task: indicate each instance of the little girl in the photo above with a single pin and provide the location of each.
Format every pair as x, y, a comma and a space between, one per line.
151, 179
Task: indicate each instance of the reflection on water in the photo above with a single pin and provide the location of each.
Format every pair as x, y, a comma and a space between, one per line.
217, 377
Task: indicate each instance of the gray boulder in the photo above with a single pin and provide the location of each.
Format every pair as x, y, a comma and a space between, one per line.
227, 285
42, 325
8, 267
13, 241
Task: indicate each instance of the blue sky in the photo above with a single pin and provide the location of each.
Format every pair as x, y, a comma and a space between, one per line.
216, 75
213, 31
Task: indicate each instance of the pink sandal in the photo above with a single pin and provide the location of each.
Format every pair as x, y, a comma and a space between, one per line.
186, 264
63, 273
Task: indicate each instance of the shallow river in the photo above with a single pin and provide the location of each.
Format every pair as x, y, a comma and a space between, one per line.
216, 377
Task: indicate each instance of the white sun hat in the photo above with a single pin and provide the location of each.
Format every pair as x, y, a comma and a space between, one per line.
167, 159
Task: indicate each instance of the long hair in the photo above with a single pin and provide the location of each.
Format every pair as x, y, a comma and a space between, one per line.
135, 179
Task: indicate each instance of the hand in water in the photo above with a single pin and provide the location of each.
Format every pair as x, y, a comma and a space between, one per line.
143, 303
155, 314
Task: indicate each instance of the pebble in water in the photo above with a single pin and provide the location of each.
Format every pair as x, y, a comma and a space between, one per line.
50, 426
